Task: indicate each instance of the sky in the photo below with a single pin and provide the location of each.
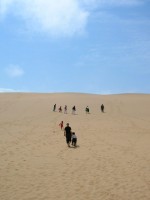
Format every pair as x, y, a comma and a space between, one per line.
86, 46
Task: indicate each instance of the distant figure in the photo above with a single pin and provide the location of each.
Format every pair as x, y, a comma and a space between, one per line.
73, 110
74, 139
68, 134
54, 108
87, 110
65, 109
60, 109
61, 125
102, 108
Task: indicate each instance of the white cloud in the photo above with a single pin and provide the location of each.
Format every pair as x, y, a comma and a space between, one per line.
60, 17
14, 71
6, 90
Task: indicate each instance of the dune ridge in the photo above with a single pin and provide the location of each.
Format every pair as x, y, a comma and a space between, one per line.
111, 161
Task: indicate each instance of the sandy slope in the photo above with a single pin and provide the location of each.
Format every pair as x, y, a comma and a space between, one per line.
111, 162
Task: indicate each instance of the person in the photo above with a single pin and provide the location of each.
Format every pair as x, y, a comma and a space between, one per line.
73, 110
60, 109
68, 134
102, 108
87, 110
74, 139
54, 108
65, 109
61, 125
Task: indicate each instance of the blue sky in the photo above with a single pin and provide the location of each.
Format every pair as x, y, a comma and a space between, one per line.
89, 46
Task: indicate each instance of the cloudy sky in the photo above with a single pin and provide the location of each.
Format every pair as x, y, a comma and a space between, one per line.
89, 46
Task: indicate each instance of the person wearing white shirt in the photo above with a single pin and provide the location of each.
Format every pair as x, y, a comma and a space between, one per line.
74, 139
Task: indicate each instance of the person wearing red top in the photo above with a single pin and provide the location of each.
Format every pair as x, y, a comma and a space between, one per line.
61, 125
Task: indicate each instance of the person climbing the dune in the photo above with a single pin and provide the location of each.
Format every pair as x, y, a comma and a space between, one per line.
68, 134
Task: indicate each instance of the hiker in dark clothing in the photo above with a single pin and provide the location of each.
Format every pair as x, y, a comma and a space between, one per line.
73, 110
68, 134
54, 108
102, 108
87, 110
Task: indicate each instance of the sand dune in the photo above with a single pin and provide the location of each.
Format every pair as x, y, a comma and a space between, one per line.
111, 161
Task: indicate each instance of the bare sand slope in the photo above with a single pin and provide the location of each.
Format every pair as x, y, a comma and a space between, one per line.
111, 162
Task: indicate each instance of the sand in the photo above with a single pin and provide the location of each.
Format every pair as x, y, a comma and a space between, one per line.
111, 160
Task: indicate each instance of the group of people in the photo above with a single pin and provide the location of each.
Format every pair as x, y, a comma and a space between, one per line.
71, 137
65, 109
87, 110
